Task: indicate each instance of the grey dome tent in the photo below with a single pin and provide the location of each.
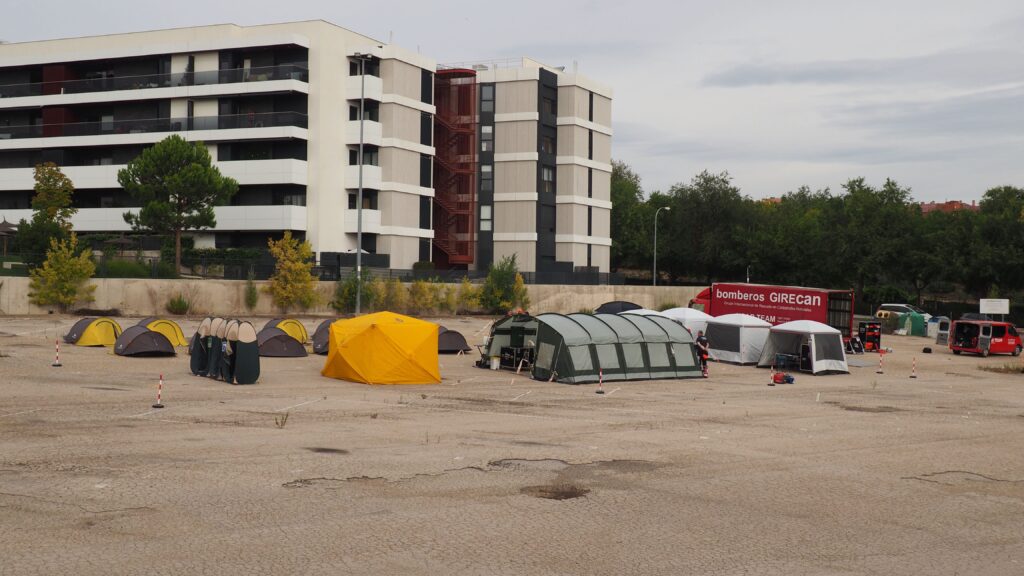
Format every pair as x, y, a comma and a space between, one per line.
581, 348
276, 343
197, 348
322, 337
817, 347
451, 341
141, 341
616, 306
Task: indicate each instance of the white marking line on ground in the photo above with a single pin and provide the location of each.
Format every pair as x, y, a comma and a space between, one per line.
613, 392
299, 404
521, 395
22, 412
143, 414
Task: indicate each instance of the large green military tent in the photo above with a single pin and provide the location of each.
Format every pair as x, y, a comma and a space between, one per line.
581, 348
913, 323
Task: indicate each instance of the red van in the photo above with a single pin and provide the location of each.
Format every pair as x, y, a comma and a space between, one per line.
983, 337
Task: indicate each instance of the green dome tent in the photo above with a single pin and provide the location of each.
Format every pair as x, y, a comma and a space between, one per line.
913, 323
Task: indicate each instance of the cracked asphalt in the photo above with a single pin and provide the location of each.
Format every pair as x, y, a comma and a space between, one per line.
490, 473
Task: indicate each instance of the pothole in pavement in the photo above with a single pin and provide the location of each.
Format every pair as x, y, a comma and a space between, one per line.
323, 450
556, 492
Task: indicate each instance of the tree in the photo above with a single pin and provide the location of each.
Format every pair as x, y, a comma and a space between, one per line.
293, 282
630, 244
498, 293
178, 187
51, 214
62, 278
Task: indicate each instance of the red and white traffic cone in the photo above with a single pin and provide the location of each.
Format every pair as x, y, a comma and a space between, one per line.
159, 393
56, 354
881, 355
600, 381
771, 379
913, 368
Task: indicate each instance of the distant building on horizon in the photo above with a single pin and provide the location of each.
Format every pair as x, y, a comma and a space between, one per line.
948, 206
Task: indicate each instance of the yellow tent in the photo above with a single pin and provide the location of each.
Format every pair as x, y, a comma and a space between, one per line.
383, 348
169, 328
94, 332
291, 327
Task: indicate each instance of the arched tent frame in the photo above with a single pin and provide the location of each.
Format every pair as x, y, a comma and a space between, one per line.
581, 348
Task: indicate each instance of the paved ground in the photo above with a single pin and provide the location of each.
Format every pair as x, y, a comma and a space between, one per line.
858, 474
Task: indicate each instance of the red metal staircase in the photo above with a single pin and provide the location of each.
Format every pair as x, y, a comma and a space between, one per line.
455, 166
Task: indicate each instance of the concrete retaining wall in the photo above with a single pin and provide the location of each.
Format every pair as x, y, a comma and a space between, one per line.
145, 297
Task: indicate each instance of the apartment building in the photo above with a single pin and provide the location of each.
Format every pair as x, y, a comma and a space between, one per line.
489, 160
277, 105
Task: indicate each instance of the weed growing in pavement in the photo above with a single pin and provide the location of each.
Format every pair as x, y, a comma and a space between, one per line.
282, 420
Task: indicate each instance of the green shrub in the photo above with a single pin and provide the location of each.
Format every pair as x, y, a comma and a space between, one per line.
421, 297
498, 293
585, 311
394, 296
423, 265
448, 302
126, 269
468, 297
520, 295
64, 275
178, 305
667, 306
345, 294
252, 295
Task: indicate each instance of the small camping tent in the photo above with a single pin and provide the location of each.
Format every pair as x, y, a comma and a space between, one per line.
141, 341
197, 349
816, 347
913, 324
293, 327
736, 338
277, 343
322, 336
615, 307
94, 332
692, 319
383, 348
581, 348
169, 328
451, 341
247, 355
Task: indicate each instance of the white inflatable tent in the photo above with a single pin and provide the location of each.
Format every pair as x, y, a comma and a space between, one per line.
736, 338
819, 346
692, 319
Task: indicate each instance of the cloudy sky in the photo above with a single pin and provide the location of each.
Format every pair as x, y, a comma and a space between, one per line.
780, 94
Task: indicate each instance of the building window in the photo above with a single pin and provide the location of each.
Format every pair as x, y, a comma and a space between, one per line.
591, 108
547, 106
486, 221
487, 98
590, 220
426, 169
590, 144
424, 212
371, 67
547, 177
371, 156
487, 138
426, 87
371, 110
590, 182
547, 145
486, 178
426, 129
369, 200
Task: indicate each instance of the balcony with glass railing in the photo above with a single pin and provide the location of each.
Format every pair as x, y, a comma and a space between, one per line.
149, 125
112, 83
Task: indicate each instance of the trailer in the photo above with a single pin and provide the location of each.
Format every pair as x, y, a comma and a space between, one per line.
780, 304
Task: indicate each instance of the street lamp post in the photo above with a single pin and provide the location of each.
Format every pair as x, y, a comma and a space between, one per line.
359, 193
666, 208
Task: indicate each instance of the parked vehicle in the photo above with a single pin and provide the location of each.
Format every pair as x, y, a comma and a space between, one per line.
984, 338
898, 309
780, 304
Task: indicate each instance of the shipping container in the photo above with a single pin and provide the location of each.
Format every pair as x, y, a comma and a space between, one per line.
780, 304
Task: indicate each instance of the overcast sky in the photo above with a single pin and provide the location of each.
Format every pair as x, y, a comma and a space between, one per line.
780, 93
